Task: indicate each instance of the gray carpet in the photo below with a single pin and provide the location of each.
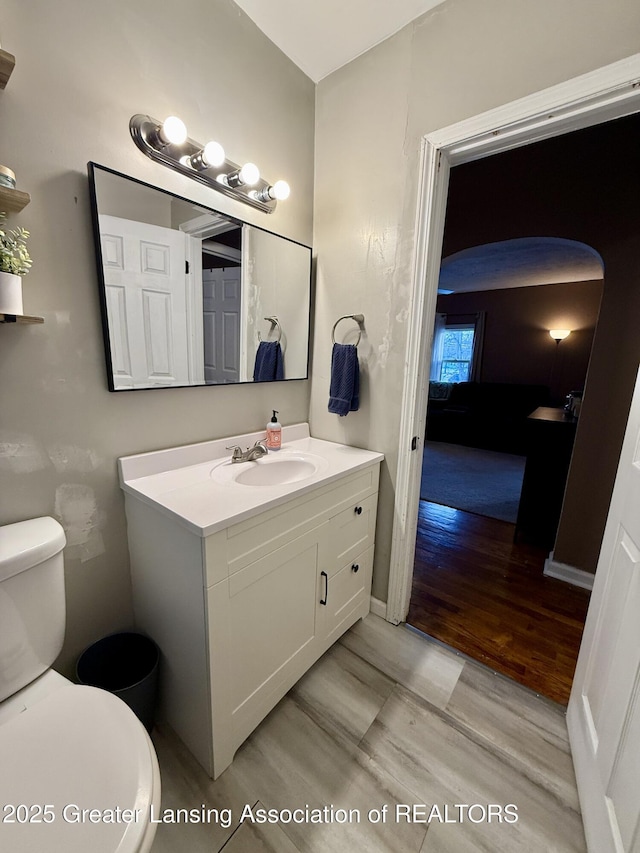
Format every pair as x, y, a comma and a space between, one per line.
480, 481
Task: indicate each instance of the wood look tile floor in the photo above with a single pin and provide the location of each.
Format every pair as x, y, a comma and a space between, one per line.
387, 717
478, 591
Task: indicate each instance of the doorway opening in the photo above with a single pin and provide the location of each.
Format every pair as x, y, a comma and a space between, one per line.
498, 443
438, 155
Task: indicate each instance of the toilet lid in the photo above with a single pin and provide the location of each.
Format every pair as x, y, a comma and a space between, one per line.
82, 753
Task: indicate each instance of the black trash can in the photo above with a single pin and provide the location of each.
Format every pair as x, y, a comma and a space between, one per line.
125, 664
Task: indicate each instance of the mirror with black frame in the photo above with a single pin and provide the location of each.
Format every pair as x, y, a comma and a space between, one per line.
191, 296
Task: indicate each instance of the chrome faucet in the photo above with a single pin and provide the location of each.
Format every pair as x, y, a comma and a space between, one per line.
258, 450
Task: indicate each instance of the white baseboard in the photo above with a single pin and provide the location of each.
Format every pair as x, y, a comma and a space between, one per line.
379, 607
566, 573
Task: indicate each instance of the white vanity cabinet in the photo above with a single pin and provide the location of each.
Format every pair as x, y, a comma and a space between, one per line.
242, 613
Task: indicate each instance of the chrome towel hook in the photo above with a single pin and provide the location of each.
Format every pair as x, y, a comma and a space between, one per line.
359, 318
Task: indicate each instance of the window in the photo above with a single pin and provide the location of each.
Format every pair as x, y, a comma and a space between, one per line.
457, 352
457, 348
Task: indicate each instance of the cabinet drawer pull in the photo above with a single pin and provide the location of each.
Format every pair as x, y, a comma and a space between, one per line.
326, 587
358, 510
355, 567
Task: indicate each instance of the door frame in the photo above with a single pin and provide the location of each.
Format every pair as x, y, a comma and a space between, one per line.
598, 96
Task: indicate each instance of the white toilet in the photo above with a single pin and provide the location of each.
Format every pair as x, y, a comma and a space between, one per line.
78, 771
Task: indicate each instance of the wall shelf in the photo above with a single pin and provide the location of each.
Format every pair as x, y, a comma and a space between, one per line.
7, 62
20, 318
13, 200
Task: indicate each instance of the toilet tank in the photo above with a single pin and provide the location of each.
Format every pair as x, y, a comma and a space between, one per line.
32, 603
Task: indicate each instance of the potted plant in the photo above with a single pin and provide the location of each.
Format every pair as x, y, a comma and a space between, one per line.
14, 263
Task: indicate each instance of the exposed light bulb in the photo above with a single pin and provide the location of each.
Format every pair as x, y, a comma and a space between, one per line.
559, 334
281, 190
249, 174
173, 131
213, 154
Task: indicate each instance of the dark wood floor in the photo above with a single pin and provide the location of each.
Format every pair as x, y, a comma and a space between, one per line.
479, 592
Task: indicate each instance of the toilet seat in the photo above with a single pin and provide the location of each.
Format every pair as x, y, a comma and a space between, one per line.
78, 747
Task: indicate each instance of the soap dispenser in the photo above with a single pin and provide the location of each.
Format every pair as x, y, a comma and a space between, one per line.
274, 433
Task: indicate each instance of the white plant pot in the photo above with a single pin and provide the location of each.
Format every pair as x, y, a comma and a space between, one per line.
10, 293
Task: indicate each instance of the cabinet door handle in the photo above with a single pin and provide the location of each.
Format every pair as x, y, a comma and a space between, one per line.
326, 587
358, 510
355, 567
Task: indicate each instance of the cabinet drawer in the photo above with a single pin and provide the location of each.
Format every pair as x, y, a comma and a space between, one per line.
249, 540
347, 596
351, 532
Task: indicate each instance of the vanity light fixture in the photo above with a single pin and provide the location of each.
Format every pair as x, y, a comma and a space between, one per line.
167, 142
559, 334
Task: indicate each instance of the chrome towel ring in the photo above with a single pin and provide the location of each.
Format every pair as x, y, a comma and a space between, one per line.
359, 318
274, 325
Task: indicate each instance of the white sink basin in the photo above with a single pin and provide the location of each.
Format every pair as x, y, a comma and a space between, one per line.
199, 486
272, 470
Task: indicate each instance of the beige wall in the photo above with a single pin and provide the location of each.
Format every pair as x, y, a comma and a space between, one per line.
83, 69
461, 59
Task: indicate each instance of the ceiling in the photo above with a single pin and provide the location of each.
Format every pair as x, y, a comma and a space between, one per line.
320, 37
323, 35
524, 262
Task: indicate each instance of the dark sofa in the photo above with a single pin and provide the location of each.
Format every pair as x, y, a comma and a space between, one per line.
489, 415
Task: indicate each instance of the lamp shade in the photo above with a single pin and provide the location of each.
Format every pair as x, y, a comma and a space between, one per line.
559, 334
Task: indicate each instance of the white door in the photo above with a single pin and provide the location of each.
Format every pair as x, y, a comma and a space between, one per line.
604, 709
144, 275
221, 317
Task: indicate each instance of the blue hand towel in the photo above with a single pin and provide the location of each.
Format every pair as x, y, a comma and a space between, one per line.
344, 391
269, 364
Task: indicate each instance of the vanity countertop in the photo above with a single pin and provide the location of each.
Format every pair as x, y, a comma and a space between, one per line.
191, 483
